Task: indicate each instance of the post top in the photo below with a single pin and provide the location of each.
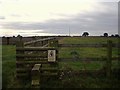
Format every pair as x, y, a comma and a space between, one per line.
36, 67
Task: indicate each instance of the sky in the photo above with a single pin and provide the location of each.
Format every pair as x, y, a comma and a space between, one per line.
58, 17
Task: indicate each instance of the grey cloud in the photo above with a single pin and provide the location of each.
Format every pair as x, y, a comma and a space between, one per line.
94, 22
2, 17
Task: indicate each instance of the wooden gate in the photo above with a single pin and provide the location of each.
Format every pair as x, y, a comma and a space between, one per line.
31, 59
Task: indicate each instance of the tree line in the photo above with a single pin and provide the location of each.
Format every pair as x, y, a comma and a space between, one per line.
85, 34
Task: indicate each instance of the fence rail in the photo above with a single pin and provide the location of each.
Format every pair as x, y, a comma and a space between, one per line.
91, 72
35, 48
86, 59
34, 52
28, 55
25, 60
39, 40
87, 45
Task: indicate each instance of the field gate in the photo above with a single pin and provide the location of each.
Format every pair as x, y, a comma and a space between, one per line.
37, 61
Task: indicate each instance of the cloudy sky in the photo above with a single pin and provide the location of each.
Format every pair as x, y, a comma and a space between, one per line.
58, 17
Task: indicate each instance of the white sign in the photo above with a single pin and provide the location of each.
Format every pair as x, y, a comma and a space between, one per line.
51, 55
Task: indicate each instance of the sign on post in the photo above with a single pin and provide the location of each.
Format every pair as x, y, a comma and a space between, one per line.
51, 55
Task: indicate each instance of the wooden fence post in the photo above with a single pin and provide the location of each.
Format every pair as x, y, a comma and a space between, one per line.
35, 75
8, 40
35, 44
42, 43
109, 59
19, 44
19, 59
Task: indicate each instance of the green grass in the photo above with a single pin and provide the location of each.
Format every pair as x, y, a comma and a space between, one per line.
87, 40
87, 52
9, 67
9, 79
77, 65
92, 65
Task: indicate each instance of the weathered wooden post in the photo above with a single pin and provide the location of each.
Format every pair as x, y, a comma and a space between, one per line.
35, 75
19, 60
8, 40
20, 38
35, 44
39, 43
54, 43
19, 44
53, 54
42, 43
53, 61
109, 59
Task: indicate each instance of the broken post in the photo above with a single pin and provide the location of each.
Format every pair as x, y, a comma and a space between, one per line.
35, 75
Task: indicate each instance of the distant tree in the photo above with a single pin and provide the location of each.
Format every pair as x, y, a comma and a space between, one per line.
112, 35
13, 36
116, 35
20, 37
105, 34
3, 36
85, 34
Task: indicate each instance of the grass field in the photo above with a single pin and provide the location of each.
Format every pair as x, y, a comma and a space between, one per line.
87, 40
9, 68
87, 52
71, 80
